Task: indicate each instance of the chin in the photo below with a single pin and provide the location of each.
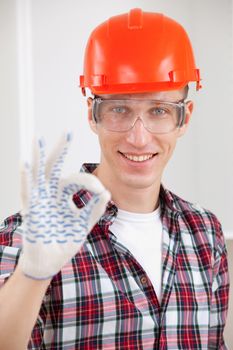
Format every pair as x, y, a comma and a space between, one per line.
139, 182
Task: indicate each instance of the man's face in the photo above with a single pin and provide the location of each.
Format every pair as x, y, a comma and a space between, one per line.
122, 152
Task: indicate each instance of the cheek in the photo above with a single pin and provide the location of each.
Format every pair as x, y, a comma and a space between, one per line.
108, 143
167, 142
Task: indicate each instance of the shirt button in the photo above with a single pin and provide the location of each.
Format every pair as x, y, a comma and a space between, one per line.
143, 280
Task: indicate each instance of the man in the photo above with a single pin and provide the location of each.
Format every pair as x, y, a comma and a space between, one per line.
144, 269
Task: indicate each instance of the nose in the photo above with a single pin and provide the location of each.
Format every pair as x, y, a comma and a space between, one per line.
138, 135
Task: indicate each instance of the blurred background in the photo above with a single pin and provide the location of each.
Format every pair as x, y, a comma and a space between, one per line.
41, 53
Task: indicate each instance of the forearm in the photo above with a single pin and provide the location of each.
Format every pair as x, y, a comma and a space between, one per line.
20, 301
53, 230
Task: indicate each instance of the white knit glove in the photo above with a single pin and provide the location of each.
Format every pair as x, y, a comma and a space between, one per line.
54, 229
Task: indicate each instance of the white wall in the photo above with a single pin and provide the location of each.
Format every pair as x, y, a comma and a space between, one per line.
201, 169
41, 51
42, 44
9, 111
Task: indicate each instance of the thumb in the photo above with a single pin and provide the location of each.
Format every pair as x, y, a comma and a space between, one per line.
82, 180
95, 207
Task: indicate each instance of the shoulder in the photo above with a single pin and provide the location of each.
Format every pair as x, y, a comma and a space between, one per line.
194, 211
9, 229
199, 221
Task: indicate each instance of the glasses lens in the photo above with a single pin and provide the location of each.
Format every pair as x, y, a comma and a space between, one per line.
121, 115
162, 117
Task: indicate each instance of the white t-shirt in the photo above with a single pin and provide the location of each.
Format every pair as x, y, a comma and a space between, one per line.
141, 234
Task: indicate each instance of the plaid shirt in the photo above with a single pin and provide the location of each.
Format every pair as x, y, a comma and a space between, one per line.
103, 299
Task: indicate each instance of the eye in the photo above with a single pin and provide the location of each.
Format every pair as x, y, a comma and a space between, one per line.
158, 111
119, 110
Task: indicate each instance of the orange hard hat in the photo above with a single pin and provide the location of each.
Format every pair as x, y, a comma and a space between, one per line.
138, 52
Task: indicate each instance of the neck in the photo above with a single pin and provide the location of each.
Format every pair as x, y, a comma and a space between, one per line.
130, 198
136, 201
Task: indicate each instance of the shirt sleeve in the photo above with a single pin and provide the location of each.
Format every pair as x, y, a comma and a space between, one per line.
220, 294
10, 246
10, 249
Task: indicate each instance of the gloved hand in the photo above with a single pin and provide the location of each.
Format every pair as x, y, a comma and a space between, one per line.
54, 229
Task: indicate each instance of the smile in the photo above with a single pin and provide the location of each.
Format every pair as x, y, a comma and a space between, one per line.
138, 158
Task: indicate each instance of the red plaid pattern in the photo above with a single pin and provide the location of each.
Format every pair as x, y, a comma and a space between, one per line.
103, 299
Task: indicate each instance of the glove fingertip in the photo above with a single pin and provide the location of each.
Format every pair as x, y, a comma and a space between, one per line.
41, 142
69, 136
105, 196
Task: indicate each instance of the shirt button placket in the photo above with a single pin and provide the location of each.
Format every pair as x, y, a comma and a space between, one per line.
144, 281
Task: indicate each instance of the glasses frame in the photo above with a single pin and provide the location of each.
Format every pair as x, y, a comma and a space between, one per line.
181, 104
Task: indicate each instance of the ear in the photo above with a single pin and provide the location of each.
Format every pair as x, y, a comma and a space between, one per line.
91, 121
188, 114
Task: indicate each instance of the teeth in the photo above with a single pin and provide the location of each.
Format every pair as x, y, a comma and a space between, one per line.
138, 158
